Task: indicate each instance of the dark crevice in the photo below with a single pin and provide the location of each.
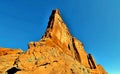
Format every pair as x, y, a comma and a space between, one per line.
91, 62
16, 61
50, 23
31, 44
55, 61
13, 70
44, 64
80, 68
5, 53
53, 13
34, 44
72, 71
83, 69
60, 21
50, 36
77, 56
68, 46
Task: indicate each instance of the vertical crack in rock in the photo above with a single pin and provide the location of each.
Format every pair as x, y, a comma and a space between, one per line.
91, 61
75, 51
16, 62
69, 47
35, 58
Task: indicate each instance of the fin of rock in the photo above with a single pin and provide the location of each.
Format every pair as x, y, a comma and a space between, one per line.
58, 52
58, 33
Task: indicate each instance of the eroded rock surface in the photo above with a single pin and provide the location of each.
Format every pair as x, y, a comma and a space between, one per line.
58, 52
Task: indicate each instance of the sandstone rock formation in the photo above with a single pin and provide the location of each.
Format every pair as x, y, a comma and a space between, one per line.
6, 51
58, 52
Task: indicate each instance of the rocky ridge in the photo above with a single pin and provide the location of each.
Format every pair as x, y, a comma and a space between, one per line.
58, 52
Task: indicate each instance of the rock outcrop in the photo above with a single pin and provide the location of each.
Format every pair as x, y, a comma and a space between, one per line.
58, 52
6, 51
7, 58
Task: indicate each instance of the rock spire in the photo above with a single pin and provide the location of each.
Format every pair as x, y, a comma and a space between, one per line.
57, 52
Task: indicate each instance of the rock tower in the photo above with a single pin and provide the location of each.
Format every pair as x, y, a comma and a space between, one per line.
57, 52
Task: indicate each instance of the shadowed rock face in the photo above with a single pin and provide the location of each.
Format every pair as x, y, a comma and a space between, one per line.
58, 52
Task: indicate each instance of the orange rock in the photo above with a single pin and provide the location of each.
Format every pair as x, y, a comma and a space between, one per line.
58, 52
101, 69
7, 58
6, 51
91, 61
81, 52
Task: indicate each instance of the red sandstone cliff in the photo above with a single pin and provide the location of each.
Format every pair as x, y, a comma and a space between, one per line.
58, 52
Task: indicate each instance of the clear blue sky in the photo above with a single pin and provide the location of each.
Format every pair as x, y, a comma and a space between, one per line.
95, 22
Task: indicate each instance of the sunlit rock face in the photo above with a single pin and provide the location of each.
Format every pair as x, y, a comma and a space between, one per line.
57, 52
